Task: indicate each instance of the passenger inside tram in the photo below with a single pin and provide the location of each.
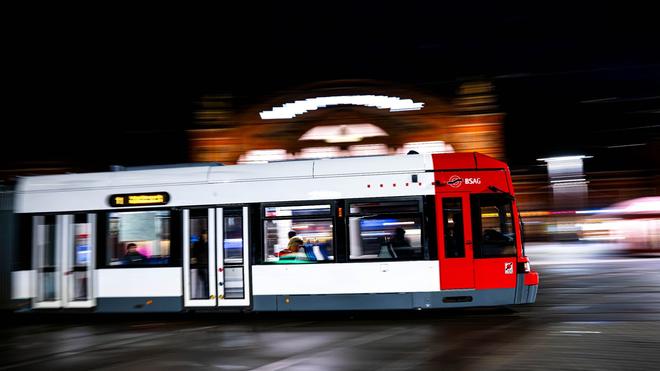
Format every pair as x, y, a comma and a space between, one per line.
294, 250
132, 255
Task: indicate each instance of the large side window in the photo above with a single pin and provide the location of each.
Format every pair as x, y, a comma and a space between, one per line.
139, 238
298, 234
493, 230
385, 230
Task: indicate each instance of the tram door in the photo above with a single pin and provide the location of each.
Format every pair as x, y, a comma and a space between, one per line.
455, 241
216, 257
63, 261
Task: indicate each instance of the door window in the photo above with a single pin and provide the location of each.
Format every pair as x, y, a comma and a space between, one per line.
80, 257
199, 254
452, 217
47, 259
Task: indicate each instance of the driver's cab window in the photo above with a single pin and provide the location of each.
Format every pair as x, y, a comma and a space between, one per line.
493, 230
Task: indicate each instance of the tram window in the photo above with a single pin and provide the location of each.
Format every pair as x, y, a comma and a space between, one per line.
139, 238
492, 226
233, 239
385, 230
452, 219
298, 234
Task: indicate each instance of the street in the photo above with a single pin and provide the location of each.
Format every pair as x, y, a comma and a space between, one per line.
596, 310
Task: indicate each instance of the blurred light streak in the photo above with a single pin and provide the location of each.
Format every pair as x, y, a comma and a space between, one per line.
563, 185
602, 238
563, 212
320, 152
377, 149
368, 149
534, 213
263, 156
435, 146
398, 223
579, 332
582, 180
601, 211
628, 145
649, 204
343, 133
563, 158
290, 110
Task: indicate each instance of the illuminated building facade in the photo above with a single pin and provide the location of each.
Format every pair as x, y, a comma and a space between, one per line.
348, 118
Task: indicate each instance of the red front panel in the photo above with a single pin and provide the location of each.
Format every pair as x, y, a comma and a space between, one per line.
495, 273
460, 176
456, 274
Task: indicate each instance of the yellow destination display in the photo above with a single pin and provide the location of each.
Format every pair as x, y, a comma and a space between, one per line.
139, 199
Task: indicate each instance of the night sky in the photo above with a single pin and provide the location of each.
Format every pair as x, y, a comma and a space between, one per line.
571, 80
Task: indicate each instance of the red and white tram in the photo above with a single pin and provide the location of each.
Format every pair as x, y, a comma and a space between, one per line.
393, 232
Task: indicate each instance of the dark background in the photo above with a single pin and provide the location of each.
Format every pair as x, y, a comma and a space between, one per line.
96, 87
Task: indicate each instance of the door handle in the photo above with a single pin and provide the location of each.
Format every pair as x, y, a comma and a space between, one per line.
219, 283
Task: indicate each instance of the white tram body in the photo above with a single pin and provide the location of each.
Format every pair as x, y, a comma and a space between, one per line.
215, 237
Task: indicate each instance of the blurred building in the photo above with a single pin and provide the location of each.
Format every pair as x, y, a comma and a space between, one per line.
545, 219
228, 132
366, 117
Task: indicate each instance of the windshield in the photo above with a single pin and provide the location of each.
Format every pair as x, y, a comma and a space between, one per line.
493, 229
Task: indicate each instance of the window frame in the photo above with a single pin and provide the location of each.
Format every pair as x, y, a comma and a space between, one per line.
422, 213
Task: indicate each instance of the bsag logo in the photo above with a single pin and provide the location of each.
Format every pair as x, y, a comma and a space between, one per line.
472, 180
455, 181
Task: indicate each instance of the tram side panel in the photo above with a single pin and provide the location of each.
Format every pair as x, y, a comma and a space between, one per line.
485, 267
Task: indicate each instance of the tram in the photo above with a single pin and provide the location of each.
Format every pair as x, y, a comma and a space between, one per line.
416, 231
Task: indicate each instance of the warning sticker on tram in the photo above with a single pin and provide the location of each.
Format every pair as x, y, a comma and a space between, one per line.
139, 199
508, 268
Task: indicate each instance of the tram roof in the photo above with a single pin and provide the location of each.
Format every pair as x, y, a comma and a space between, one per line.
170, 175
298, 169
